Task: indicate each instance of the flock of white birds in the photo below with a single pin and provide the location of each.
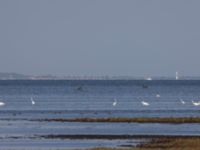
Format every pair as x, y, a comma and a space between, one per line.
144, 103
32, 102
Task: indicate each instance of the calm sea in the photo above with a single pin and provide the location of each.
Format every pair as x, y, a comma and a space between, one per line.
92, 98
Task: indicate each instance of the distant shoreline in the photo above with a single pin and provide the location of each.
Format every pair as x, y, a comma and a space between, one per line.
96, 79
18, 76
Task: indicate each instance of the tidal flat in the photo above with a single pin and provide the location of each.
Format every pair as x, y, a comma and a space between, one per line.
164, 143
129, 120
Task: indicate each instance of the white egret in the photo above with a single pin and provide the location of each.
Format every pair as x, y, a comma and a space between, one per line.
32, 101
182, 101
145, 103
115, 102
196, 103
2, 103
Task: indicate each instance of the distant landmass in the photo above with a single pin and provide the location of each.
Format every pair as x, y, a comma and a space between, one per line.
17, 76
6, 76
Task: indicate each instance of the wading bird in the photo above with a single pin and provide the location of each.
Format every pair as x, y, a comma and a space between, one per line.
145, 103
2, 103
182, 101
32, 101
115, 102
196, 103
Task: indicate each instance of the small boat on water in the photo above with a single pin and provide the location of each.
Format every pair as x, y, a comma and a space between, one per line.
149, 78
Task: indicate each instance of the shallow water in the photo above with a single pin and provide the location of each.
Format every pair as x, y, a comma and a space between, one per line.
64, 144
77, 99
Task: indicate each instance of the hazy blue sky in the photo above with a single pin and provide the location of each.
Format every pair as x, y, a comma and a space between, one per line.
104, 37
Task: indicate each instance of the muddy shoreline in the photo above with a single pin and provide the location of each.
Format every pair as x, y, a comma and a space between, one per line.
101, 136
126, 120
162, 143
173, 120
112, 137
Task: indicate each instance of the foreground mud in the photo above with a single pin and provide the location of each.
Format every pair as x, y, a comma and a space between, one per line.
128, 120
165, 143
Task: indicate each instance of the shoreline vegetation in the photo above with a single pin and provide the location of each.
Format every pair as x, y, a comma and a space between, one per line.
127, 120
113, 136
163, 143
